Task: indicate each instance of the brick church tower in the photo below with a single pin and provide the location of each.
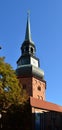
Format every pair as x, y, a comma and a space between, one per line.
43, 115
28, 67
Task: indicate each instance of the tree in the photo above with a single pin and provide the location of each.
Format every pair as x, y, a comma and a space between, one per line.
11, 92
14, 101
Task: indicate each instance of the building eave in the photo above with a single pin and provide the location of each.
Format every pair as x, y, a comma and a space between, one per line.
40, 104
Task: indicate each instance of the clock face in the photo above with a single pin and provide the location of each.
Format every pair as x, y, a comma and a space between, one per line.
34, 62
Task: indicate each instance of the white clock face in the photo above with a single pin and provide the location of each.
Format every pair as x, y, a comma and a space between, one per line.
34, 62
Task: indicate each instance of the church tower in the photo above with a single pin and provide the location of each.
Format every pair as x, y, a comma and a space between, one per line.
28, 67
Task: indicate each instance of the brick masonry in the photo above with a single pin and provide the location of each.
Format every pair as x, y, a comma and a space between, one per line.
34, 87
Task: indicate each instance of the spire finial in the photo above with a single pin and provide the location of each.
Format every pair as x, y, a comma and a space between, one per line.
28, 31
28, 13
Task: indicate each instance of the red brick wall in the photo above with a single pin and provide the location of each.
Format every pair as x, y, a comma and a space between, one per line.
28, 82
36, 85
31, 85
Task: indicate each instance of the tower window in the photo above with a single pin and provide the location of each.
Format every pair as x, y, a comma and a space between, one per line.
31, 50
39, 88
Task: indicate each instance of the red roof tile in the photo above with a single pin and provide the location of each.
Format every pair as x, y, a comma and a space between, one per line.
44, 105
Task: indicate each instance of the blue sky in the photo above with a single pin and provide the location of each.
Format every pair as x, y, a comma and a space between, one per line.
46, 29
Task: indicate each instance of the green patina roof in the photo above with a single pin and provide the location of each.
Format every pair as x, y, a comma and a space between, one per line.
28, 30
27, 70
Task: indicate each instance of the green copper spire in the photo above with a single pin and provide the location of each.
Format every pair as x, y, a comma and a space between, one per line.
28, 31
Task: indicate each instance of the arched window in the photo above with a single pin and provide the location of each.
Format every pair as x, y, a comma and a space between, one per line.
31, 50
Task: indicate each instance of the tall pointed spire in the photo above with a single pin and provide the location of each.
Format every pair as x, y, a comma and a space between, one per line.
28, 31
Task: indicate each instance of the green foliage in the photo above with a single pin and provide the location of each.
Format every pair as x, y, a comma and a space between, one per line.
11, 91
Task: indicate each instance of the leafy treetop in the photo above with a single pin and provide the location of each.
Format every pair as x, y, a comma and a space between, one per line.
11, 91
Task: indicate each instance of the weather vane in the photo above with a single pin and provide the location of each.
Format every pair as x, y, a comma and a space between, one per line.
28, 13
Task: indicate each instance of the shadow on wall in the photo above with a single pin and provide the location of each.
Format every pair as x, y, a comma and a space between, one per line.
17, 118
21, 118
48, 121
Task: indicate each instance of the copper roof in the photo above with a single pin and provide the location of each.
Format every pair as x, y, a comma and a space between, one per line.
45, 105
29, 70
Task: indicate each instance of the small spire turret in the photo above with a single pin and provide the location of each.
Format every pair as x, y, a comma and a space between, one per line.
28, 30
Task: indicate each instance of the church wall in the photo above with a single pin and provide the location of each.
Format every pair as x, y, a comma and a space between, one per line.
46, 120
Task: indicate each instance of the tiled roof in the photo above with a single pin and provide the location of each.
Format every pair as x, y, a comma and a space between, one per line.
45, 105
